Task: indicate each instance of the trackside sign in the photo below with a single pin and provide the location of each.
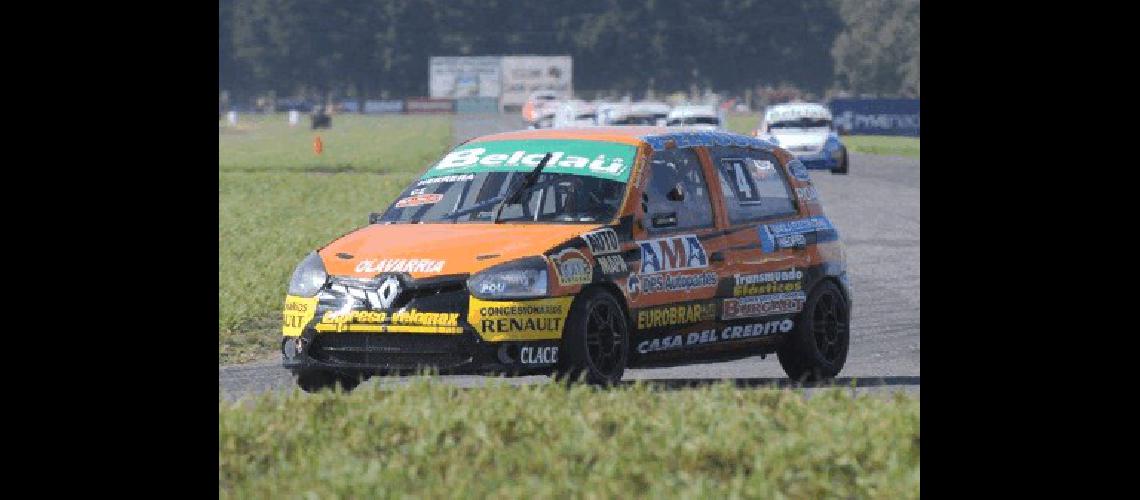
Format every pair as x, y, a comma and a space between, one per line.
604, 160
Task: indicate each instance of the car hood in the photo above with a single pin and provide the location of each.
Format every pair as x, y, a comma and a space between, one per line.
425, 250
802, 137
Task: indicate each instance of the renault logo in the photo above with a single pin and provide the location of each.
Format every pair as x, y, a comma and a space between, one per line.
385, 294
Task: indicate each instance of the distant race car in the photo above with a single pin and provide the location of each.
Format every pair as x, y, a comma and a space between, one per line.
805, 129
698, 117
538, 112
578, 252
575, 113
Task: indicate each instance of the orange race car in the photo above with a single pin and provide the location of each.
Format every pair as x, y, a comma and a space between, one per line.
579, 252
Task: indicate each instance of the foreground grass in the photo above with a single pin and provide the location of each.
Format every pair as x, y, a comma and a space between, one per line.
882, 145
435, 440
371, 143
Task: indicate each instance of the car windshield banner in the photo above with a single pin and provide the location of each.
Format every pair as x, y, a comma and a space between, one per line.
604, 160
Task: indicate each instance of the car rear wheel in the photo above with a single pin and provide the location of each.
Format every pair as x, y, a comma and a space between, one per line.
842, 167
817, 348
319, 380
595, 342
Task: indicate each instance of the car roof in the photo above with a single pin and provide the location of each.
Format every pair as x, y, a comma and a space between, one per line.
635, 135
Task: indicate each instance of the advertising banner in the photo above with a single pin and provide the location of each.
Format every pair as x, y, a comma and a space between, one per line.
876, 116
428, 105
524, 75
458, 77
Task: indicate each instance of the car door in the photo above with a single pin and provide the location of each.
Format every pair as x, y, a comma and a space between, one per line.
672, 289
766, 247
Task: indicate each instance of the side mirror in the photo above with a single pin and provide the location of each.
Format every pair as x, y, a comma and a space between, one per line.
676, 194
375, 217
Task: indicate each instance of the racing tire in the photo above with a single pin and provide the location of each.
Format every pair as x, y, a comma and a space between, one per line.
817, 348
842, 167
595, 341
318, 380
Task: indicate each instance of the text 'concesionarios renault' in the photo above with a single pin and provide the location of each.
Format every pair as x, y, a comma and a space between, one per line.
580, 252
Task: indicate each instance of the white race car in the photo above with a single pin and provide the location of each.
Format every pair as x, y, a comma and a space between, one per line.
698, 117
576, 114
806, 130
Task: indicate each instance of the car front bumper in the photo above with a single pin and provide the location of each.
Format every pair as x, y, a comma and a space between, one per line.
818, 161
429, 327
377, 353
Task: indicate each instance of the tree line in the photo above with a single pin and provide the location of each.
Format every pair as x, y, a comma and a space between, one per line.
381, 48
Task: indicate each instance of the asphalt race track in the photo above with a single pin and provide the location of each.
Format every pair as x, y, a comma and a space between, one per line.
875, 208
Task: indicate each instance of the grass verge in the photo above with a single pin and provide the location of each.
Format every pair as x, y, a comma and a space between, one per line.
882, 145
355, 143
433, 440
277, 200
267, 222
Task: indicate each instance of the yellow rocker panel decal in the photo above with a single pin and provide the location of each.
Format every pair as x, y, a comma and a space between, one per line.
540, 319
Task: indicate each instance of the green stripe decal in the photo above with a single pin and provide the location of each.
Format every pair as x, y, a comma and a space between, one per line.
604, 160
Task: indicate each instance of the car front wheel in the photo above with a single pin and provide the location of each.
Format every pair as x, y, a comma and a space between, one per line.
842, 167
319, 380
817, 347
595, 342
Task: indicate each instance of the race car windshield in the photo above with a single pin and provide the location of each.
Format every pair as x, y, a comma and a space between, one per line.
637, 120
801, 123
583, 182
694, 120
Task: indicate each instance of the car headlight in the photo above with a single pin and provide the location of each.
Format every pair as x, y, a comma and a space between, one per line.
308, 277
524, 278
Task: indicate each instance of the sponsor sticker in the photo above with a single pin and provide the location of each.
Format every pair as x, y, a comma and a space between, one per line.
400, 266
683, 314
712, 335
612, 264
419, 199
538, 355
571, 268
764, 305
654, 283
447, 178
297, 313
672, 253
765, 283
604, 160
518, 320
402, 321
791, 233
603, 241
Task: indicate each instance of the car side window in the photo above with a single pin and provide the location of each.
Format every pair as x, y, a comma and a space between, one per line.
677, 196
753, 184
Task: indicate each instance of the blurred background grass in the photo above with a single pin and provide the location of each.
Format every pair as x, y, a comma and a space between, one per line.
277, 201
372, 143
